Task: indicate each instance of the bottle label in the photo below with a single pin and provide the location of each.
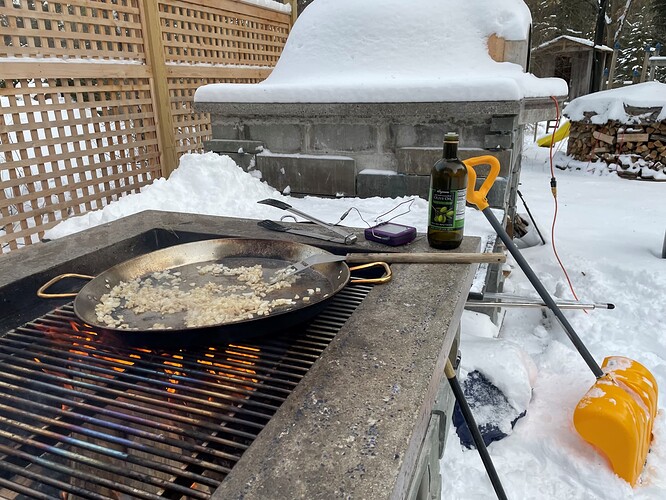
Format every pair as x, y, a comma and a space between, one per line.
447, 209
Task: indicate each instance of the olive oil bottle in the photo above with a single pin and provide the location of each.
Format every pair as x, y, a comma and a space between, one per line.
446, 200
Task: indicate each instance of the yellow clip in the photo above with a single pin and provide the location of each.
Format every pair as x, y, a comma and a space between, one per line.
478, 198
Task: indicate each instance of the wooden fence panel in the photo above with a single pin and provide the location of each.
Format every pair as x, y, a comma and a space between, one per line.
83, 90
72, 145
213, 41
72, 29
222, 32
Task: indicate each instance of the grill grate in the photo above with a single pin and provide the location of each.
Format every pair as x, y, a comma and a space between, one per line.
83, 418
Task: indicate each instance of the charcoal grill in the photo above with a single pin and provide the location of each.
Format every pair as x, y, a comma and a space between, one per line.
83, 416
354, 404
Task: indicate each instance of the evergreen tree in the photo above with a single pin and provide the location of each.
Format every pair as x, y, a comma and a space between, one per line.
633, 24
659, 21
302, 4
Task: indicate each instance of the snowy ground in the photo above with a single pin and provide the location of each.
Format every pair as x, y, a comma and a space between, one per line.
609, 234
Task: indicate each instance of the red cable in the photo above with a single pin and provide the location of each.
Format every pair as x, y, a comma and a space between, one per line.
553, 185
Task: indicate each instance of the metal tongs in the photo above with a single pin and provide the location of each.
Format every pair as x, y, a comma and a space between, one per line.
346, 237
297, 267
501, 299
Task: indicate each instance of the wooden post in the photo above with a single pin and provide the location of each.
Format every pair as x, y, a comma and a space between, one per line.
152, 35
611, 72
646, 61
294, 11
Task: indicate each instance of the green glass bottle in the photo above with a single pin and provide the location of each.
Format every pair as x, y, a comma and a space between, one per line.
446, 200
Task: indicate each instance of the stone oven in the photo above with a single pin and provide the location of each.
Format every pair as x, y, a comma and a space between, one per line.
363, 93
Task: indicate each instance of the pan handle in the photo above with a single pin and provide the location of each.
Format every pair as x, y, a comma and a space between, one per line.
41, 293
385, 278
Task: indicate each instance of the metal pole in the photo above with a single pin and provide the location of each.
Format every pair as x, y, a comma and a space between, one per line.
543, 293
503, 303
474, 429
530, 215
595, 81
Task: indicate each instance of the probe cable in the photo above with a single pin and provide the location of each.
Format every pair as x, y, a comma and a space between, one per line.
553, 189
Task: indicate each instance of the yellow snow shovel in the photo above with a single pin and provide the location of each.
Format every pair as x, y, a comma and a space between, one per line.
560, 133
616, 415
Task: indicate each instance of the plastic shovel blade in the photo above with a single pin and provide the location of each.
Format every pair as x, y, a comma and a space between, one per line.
617, 414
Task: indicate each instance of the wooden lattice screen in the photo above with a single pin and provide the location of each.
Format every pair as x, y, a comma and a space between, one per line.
96, 94
214, 41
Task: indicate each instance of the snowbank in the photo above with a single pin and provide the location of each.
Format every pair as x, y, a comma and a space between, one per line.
602, 107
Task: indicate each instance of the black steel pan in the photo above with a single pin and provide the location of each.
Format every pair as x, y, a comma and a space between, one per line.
329, 278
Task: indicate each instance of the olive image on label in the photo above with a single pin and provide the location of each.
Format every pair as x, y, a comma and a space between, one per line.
446, 198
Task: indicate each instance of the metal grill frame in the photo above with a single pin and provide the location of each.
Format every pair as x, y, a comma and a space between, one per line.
60, 386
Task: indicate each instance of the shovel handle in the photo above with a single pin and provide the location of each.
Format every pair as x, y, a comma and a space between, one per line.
543, 293
474, 430
478, 197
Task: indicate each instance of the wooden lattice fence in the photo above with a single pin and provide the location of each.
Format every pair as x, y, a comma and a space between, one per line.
96, 96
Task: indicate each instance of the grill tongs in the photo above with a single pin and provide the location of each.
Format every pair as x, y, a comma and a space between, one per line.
346, 237
297, 267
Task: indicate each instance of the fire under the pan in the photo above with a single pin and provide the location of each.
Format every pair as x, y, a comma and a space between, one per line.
83, 416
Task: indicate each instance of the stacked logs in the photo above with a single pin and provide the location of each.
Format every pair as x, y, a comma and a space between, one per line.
633, 151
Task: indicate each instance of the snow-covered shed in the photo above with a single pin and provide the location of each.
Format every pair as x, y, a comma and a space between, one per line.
569, 58
363, 93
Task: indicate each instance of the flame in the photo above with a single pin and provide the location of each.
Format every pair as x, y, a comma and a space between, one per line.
234, 356
229, 362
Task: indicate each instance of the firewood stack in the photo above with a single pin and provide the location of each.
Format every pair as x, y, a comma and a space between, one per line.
634, 151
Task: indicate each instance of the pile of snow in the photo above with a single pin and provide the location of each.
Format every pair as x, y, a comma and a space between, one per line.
213, 184
502, 361
608, 105
396, 51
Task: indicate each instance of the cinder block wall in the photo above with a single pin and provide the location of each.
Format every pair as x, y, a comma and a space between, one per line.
376, 150
368, 149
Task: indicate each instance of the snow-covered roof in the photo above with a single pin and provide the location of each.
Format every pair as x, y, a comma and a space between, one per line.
581, 41
396, 51
612, 104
